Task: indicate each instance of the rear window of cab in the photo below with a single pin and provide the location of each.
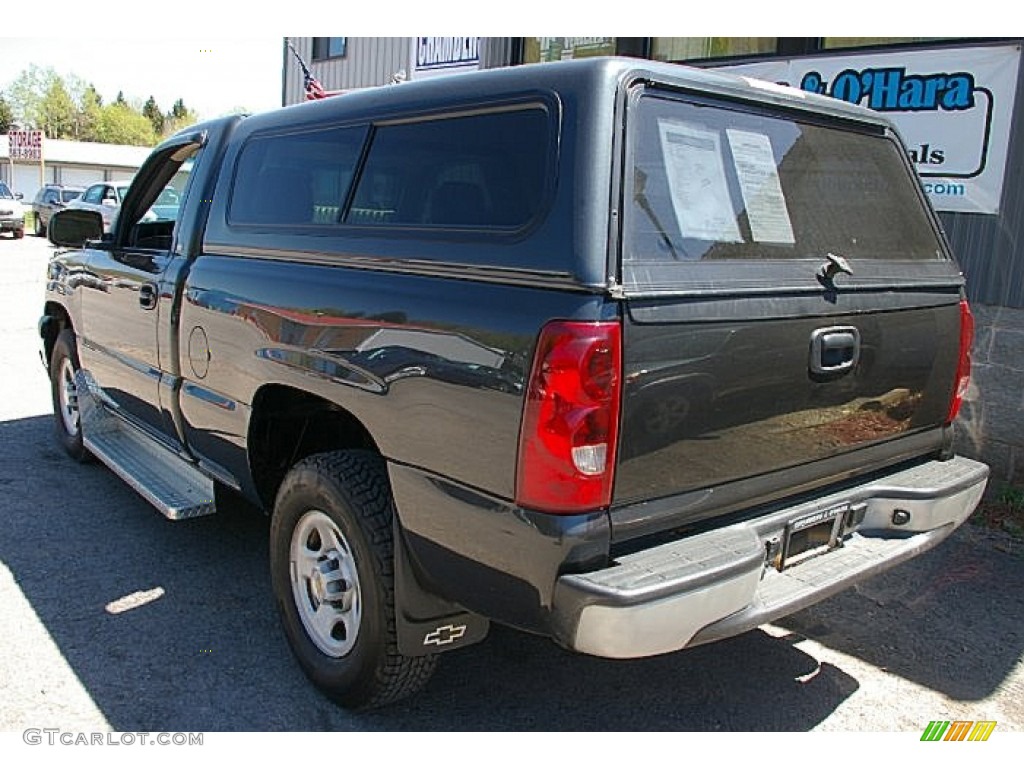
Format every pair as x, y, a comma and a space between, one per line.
485, 171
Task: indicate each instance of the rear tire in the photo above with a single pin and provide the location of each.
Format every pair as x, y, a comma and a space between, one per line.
63, 367
332, 569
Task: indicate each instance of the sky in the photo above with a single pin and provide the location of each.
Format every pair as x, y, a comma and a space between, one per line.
212, 75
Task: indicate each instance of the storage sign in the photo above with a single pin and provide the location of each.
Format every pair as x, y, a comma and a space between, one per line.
952, 107
25, 145
444, 55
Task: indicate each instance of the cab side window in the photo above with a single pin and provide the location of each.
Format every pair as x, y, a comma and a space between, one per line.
151, 211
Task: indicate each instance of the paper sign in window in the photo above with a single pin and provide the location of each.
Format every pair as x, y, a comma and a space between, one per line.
696, 180
759, 184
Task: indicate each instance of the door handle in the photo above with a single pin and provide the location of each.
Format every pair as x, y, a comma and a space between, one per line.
834, 350
148, 296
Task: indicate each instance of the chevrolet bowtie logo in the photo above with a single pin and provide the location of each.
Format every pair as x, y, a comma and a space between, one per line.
445, 635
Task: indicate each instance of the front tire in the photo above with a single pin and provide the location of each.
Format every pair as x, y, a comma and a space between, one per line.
67, 423
332, 569
40, 228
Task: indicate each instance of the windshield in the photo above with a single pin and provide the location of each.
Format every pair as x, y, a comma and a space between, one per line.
67, 195
122, 191
5, 193
715, 183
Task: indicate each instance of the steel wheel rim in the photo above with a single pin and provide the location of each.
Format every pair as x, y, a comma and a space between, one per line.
325, 584
67, 397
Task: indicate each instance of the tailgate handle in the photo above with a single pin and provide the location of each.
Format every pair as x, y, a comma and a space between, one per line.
834, 350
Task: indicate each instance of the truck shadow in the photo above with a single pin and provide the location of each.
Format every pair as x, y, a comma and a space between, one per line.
950, 620
206, 653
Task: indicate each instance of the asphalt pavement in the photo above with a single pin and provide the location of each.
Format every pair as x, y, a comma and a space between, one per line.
115, 618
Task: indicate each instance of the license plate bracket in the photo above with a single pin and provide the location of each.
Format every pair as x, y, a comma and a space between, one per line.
813, 534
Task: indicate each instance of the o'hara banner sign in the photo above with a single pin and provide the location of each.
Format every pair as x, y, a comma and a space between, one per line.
952, 107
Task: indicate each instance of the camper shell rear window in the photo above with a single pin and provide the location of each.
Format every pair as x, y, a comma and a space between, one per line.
708, 182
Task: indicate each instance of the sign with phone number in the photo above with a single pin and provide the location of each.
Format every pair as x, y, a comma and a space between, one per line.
25, 145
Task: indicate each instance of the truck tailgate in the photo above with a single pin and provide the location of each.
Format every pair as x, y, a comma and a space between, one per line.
721, 394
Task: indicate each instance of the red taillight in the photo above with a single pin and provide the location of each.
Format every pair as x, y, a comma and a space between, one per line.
963, 369
571, 418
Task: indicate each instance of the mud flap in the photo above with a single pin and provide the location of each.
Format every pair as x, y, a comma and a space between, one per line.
427, 623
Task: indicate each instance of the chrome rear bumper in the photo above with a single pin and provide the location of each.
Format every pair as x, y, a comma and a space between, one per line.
721, 583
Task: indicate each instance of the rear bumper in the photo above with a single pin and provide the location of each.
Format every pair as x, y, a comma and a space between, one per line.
721, 583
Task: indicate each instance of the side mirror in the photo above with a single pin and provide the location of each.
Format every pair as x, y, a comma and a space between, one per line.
18, 196
72, 227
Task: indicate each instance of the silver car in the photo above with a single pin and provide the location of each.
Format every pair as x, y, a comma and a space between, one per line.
105, 198
50, 199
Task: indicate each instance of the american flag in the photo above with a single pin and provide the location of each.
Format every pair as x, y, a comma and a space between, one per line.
314, 90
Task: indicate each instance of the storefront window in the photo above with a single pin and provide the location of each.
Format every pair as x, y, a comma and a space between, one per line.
857, 42
689, 48
556, 48
329, 47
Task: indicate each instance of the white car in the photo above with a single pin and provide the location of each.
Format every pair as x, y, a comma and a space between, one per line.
12, 212
105, 198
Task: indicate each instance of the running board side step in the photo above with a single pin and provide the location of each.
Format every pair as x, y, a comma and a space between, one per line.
170, 483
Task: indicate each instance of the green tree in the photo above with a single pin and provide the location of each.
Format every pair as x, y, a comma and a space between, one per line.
90, 107
152, 113
179, 110
179, 117
120, 124
57, 111
26, 95
6, 116
120, 98
41, 99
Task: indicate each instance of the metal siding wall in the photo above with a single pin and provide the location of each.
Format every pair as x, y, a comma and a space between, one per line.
495, 52
990, 249
368, 61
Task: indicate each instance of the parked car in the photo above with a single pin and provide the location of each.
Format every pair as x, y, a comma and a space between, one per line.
105, 198
50, 199
12, 212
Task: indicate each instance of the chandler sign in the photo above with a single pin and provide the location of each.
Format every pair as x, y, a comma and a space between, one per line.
25, 145
952, 107
444, 55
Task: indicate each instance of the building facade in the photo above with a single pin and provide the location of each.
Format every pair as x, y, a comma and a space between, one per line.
959, 105
71, 163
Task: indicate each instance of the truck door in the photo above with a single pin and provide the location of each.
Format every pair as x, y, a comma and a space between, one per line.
129, 296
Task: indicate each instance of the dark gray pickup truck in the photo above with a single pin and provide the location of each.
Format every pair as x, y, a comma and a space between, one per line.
630, 355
